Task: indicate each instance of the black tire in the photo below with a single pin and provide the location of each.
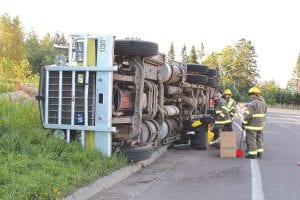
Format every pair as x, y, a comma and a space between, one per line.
135, 48
212, 73
212, 82
196, 79
138, 153
201, 69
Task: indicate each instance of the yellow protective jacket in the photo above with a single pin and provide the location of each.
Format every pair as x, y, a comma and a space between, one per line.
222, 113
255, 114
231, 106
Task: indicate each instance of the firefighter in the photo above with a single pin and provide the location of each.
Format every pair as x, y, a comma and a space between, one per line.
253, 122
230, 104
222, 116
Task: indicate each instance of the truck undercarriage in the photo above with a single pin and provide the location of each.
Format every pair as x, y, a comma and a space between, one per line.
125, 90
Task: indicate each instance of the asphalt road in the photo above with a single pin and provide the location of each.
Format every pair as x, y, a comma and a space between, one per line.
192, 174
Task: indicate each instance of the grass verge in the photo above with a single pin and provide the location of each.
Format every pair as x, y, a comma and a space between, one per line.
36, 165
6, 87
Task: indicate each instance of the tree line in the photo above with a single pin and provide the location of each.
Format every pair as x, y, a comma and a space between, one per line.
237, 67
23, 54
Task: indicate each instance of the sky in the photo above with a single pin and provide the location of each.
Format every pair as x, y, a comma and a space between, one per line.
271, 25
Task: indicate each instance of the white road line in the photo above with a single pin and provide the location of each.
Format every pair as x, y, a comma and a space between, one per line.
257, 189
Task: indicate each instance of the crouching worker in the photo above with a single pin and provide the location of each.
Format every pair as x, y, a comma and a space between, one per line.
253, 123
230, 104
222, 116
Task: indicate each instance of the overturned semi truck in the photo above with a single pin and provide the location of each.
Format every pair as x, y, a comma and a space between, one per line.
122, 95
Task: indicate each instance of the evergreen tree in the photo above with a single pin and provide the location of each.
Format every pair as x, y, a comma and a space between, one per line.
184, 57
42, 52
48, 50
171, 52
34, 51
192, 58
245, 65
201, 53
293, 82
59, 39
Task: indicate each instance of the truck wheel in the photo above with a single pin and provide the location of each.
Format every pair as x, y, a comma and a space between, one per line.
212, 73
201, 69
212, 82
138, 153
135, 48
196, 79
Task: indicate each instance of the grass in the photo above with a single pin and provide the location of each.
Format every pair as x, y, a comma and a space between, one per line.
36, 165
6, 87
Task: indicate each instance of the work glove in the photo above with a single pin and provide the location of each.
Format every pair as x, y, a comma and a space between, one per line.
231, 114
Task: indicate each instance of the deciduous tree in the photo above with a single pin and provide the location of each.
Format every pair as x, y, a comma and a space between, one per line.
293, 82
11, 39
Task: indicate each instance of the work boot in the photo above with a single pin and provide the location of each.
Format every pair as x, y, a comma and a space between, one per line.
250, 156
259, 155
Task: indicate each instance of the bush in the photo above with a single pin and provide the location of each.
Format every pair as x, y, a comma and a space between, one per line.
284, 97
297, 98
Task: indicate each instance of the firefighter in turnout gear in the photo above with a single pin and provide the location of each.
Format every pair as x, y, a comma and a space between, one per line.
253, 122
230, 104
222, 116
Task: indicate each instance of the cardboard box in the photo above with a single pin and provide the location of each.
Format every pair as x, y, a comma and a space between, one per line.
228, 144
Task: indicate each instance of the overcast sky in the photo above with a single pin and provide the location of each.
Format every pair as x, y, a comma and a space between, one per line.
271, 25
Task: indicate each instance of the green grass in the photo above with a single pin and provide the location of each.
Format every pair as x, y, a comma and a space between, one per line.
6, 87
36, 165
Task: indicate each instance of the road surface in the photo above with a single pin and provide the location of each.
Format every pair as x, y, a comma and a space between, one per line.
192, 174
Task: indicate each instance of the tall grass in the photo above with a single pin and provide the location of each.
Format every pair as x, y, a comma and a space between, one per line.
36, 165
6, 87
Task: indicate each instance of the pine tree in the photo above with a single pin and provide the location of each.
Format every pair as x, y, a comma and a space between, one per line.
293, 82
184, 57
171, 52
244, 71
34, 51
192, 58
201, 53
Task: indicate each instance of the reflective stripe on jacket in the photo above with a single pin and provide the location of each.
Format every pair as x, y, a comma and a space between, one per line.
222, 113
231, 106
